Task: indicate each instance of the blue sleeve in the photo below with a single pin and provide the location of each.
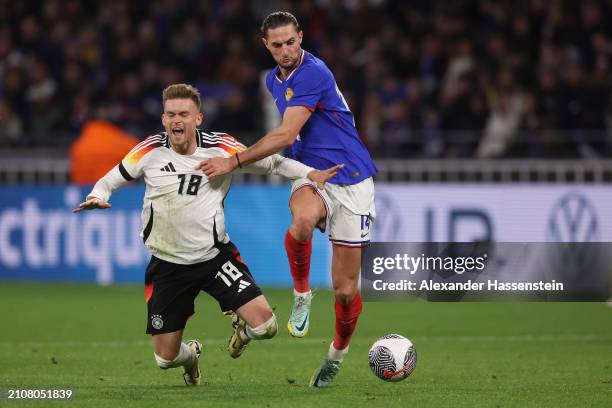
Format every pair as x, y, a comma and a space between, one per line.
308, 87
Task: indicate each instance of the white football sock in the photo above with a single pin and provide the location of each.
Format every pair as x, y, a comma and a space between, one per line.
184, 358
336, 355
266, 330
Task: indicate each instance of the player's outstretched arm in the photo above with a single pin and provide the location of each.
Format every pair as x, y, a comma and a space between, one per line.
276, 140
102, 190
291, 169
91, 203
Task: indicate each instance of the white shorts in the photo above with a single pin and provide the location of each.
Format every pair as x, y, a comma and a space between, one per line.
350, 210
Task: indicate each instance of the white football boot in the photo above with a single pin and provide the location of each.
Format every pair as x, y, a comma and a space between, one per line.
236, 345
192, 375
325, 374
299, 320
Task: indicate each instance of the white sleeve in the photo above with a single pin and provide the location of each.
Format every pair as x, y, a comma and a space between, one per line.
277, 164
107, 184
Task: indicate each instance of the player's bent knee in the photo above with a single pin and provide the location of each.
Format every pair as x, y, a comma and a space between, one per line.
344, 295
266, 330
304, 224
164, 363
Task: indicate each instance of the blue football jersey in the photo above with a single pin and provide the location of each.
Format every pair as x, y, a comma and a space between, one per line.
329, 137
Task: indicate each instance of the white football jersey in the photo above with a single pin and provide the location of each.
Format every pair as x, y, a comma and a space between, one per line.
182, 214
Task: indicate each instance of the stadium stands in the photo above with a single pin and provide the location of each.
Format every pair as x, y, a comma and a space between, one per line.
462, 79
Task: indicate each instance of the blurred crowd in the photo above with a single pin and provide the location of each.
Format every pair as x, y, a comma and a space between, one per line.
471, 78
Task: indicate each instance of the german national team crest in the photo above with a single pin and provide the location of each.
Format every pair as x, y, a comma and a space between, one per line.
288, 94
157, 322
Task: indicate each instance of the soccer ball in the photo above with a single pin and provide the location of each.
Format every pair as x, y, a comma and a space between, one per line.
392, 358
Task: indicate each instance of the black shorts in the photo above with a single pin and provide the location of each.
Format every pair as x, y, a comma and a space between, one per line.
171, 289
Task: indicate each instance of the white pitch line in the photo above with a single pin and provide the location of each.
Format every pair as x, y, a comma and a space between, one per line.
325, 340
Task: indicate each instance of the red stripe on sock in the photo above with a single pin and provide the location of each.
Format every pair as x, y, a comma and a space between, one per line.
298, 254
346, 321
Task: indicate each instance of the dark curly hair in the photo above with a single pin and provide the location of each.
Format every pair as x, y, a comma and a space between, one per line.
278, 19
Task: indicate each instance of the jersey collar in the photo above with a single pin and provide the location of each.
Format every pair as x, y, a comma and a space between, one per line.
276, 75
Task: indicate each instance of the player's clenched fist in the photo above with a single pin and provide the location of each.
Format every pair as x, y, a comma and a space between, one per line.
92, 203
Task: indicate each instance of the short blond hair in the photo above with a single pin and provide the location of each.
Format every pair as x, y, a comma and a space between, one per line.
182, 91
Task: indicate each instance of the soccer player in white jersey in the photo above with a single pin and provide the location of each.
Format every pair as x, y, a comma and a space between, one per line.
184, 229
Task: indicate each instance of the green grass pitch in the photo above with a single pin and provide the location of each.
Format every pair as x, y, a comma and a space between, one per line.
91, 339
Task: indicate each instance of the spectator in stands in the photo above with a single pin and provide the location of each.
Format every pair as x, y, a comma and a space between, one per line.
10, 126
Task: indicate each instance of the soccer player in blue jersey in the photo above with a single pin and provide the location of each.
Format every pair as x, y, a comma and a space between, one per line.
320, 128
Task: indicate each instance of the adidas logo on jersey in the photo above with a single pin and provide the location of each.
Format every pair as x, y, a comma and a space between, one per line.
169, 167
243, 285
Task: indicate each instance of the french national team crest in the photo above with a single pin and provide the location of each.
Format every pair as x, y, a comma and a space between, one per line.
288, 94
157, 322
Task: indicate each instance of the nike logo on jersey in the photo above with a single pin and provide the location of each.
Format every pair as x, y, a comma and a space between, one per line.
168, 167
364, 234
303, 323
